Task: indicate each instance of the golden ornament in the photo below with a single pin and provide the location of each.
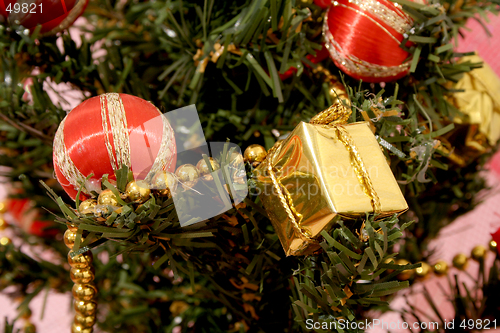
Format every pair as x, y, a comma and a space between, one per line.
164, 183
85, 308
5, 241
81, 260
87, 206
75, 328
255, 153
3, 207
406, 274
460, 261
441, 267
424, 270
82, 275
187, 175
84, 321
3, 224
84, 291
493, 245
138, 191
69, 238
29, 327
203, 169
107, 198
72, 227
478, 253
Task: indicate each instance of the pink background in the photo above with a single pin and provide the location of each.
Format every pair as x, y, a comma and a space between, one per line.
462, 235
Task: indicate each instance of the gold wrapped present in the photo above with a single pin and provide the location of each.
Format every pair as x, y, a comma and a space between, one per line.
480, 99
321, 170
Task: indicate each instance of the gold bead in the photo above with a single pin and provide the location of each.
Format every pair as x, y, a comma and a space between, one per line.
424, 270
138, 191
460, 261
203, 170
337, 93
493, 246
84, 292
5, 241
406, 274
29, 327
87, 206
82, 275
441, 267
108, 198
255, 153
3, 207
164, 183
26, 314
187, 175
478, 253
69, 238
75, 328
81, 260
85, 308
3, 224
84, 321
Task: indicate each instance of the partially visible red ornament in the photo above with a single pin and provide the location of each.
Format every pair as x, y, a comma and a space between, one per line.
320, 55
53, 15
26, 216
363, 37
107, 132
323, 3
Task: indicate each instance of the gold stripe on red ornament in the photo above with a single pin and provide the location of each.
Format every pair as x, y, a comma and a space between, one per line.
104, 133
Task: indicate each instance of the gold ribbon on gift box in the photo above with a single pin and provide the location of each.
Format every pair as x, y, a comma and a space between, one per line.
320, 171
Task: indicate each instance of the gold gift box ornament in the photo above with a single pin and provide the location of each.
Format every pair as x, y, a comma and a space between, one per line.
323, 169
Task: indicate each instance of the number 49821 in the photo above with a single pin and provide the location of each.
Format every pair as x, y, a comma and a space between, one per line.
24, 8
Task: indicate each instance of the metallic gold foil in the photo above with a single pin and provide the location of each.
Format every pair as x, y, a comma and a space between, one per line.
317, 180
480, 99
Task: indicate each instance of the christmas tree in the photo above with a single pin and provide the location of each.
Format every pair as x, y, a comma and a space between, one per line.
259, 73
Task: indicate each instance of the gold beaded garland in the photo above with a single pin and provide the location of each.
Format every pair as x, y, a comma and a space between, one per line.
441, 267
187, 175
76, 328
70, 237
164, 183
82, 275
85, 321
478, 253
87, 206
460, 261
493, 246
108, 198
203, 169
84, 291
86, 308
5, 241
424, 270
3, 224
81, 260
255, 153
406, 274
138, 191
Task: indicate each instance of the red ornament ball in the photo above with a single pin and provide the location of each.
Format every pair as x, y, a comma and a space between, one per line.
26, 216
53, 15
363, 38
106, 132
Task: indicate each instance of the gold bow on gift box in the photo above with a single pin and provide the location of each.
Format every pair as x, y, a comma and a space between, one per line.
323, 169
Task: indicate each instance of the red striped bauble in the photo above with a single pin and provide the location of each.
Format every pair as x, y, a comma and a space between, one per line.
54, 15
363, 38
106, 132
